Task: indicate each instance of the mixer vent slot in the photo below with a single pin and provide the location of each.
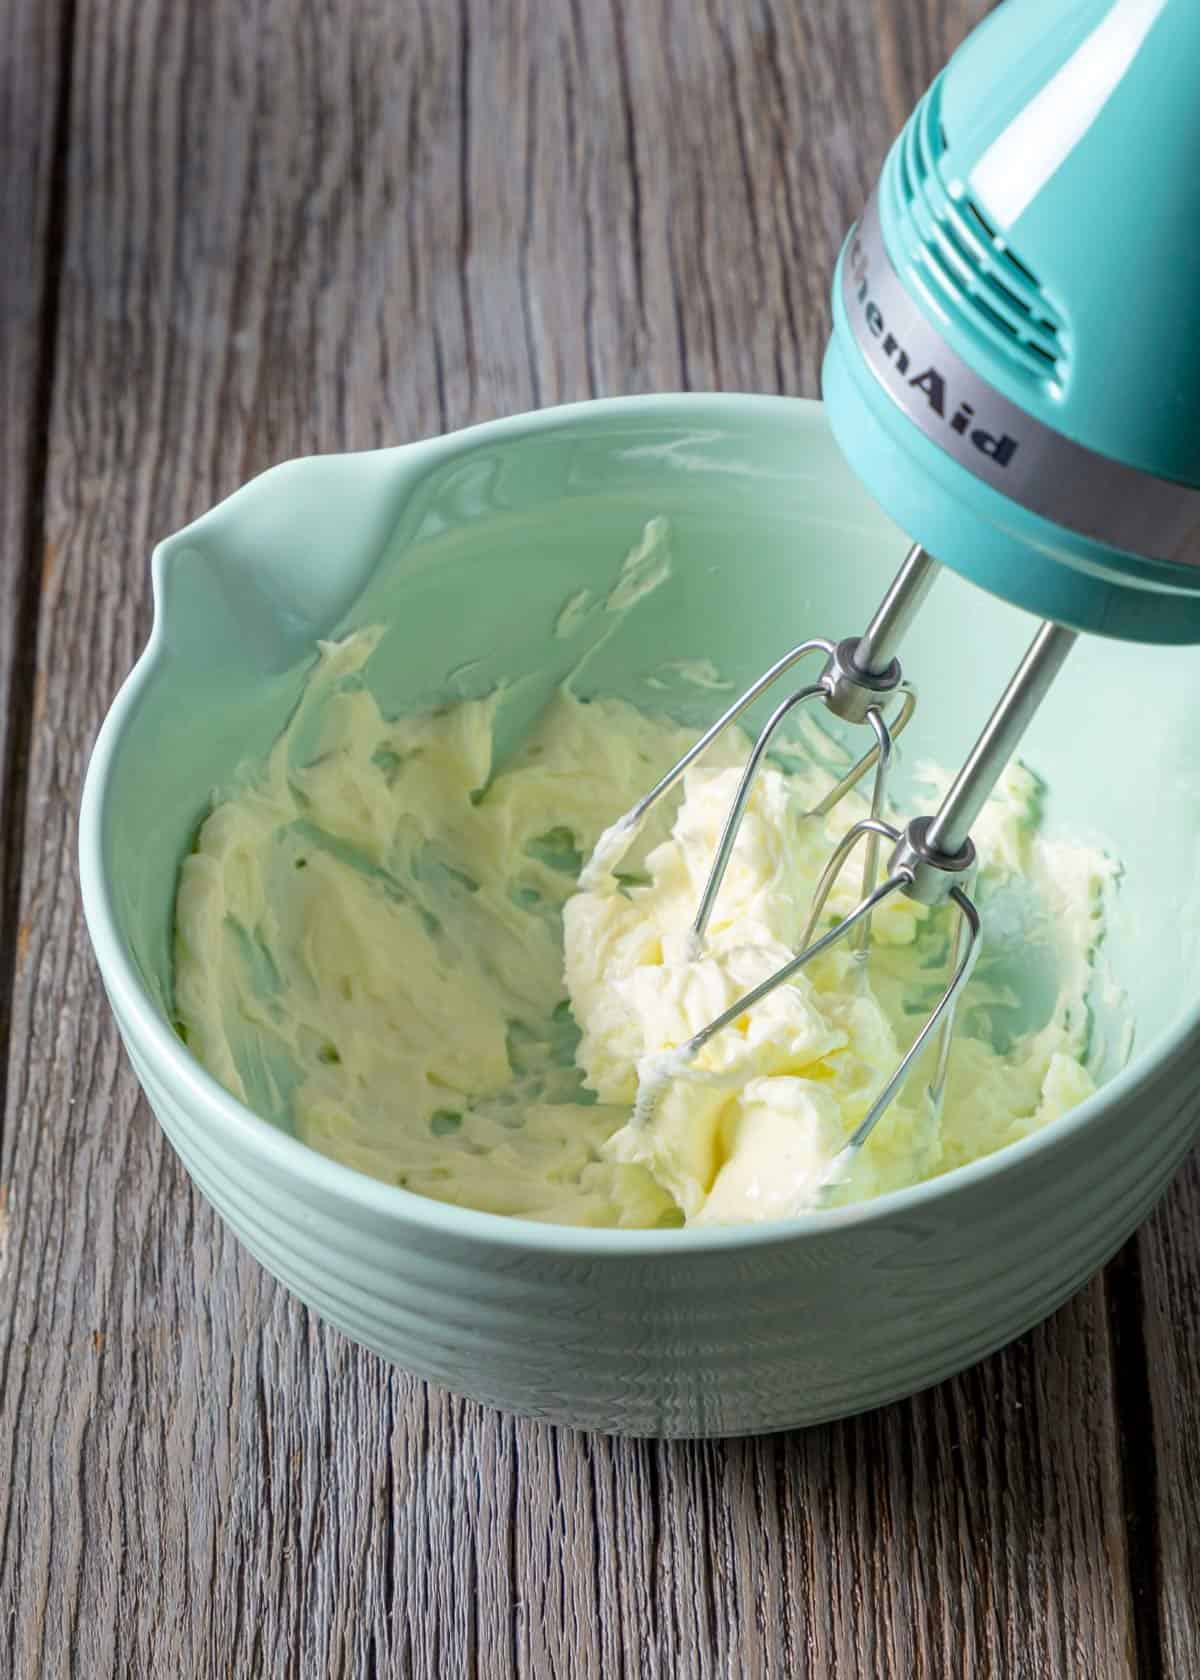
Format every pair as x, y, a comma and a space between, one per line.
966, 261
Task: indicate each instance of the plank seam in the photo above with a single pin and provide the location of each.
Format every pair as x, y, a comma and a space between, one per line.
22, 683
1134, 1409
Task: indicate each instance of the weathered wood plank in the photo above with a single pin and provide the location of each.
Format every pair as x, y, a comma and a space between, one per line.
32, 45
295, 226
1163, 1418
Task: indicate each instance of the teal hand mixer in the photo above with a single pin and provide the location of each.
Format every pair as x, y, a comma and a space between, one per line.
1014, 373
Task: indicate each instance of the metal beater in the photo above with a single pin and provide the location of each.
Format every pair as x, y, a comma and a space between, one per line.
933, 858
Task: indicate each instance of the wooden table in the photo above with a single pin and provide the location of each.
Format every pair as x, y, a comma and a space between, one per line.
237, 230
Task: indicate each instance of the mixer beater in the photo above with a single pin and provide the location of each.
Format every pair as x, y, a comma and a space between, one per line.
1040, 196
932, 861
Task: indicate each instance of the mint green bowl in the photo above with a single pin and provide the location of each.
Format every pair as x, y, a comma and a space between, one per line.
467, 547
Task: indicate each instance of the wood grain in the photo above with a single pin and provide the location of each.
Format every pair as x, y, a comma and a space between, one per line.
295, 225
32, 53
1164, 1419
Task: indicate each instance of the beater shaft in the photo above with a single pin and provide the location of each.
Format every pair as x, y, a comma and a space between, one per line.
880, 641
971, 789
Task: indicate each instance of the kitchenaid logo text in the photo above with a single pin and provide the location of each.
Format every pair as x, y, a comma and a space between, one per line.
929, 381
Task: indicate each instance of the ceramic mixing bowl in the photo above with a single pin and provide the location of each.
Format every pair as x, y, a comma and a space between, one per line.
466, 547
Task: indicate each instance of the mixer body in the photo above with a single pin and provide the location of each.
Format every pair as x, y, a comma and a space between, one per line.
1014, 370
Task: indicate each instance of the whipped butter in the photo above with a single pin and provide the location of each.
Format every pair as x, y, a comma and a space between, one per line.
382, 945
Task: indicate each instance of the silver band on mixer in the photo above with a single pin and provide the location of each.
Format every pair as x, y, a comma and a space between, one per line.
1020, 457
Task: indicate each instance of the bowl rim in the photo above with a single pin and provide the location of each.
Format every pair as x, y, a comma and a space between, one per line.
230, 1121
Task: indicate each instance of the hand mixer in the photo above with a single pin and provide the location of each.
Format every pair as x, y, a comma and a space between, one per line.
1014, 373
